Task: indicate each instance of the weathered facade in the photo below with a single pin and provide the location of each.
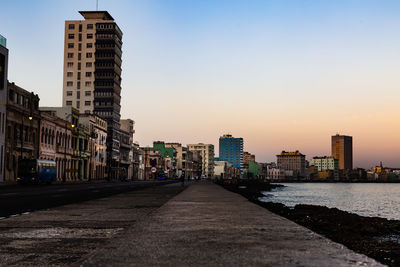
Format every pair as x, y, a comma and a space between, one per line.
207, 155
97, 128
55, 142
126, 148
292, 161
22, 132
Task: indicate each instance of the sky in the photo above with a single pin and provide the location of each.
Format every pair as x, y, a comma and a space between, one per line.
284, 75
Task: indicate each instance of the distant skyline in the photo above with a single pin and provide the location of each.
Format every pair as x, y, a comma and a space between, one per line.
284, 75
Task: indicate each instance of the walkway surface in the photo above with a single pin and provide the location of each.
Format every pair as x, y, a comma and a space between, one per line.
206, 225
67, 234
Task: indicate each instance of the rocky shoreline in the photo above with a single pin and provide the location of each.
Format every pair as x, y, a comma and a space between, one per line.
375, 237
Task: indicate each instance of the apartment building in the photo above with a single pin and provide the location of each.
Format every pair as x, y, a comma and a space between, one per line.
92, 73
207, 157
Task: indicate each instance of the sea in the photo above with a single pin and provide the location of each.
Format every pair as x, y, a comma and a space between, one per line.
366, 199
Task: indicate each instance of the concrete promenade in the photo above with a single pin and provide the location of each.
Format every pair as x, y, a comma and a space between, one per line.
206, 225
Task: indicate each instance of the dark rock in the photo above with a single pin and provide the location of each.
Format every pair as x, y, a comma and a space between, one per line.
364, 235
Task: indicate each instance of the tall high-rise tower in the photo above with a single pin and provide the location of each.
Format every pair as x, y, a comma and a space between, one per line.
92, 72
231, 150
342, 149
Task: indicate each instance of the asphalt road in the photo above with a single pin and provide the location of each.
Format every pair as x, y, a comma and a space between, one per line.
15, 200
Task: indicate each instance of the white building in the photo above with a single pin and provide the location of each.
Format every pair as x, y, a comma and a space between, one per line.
207, 155
326, 164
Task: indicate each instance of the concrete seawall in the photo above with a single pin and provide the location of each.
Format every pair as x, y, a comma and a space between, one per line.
208, 225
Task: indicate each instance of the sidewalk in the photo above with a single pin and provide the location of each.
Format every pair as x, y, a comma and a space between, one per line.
207, 225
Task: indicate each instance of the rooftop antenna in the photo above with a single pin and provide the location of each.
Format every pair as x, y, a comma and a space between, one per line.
97, 5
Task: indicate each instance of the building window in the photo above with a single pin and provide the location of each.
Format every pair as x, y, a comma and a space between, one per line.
87, 103
89, 26
69, 93
88, 64
88, 55
70, 64
88, 93
71, 26
88, 74
79, 56
89, 45
87, 84
70, 55
69, 74
89, 36
78, 104
70, 83
78, 85
70, 45
71, 36
69, 103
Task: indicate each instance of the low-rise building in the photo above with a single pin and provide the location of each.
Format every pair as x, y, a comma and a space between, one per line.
97, 128
78, 168
55, 142
328, 167
22, 131
126, 148
292, 161
247, 157
184, 160
220, 169
152, 159
275, 174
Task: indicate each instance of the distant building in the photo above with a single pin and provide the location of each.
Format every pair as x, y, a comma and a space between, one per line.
342, 149
231, 150
292, 161
169, 157
275, 174
207, 155
3, 101
152, 159
197, 163
220, 169
247, 157
126, 149
326, 164
253, 169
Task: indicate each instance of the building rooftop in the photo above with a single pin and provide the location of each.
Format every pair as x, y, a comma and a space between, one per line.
296, 153
103, 15
3, 41
323, 157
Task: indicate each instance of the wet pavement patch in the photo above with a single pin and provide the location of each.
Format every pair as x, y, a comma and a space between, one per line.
45, 233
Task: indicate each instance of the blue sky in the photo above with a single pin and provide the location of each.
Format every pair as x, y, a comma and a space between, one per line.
280, 74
